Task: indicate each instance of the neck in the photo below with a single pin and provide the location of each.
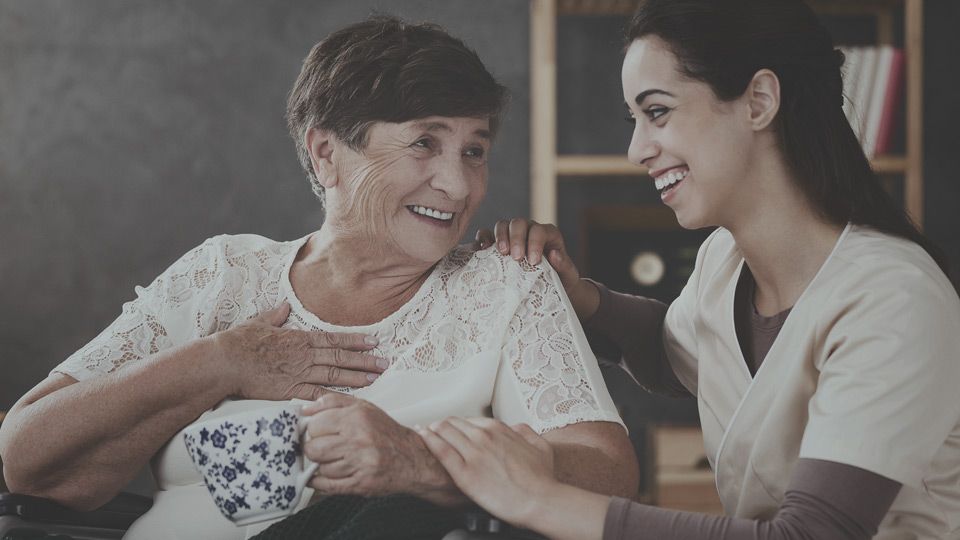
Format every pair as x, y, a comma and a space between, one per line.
347, 282
783, 239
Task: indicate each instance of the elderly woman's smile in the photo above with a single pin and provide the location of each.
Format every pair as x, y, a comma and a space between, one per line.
413, 188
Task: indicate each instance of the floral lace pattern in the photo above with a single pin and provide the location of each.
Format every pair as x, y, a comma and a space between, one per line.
472, 303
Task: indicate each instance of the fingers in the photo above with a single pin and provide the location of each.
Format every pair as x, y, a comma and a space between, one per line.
334, 340
527, 433
446, 453
484, 239
501, 232
518, 238
276, 316
329, 400
543, 238
348, 360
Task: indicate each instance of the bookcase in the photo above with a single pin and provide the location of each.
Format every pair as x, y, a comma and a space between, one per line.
548, 167
676, 447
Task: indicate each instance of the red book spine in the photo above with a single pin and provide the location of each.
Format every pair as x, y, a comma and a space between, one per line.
891, 100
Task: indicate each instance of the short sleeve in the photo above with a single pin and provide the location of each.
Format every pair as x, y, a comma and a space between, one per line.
886, 396
548, 376
164, 314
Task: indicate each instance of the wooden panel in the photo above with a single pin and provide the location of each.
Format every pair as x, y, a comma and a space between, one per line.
543, 110
913, 196
682, 481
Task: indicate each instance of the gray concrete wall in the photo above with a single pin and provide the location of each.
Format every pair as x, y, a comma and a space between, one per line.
130, 130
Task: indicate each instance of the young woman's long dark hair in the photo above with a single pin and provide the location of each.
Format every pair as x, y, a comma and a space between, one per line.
723, 43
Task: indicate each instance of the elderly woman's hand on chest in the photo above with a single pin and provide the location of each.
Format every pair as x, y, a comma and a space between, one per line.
265, 361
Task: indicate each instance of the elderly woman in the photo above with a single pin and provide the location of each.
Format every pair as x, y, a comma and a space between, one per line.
393, 124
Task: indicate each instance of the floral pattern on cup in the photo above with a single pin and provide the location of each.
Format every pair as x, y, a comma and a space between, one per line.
251, 462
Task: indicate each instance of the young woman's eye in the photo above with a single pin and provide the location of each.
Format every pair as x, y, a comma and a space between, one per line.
654, 113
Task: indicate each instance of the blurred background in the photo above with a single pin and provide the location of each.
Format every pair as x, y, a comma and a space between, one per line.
131, 130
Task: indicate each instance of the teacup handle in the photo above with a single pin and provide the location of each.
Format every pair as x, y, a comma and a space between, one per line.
308, 470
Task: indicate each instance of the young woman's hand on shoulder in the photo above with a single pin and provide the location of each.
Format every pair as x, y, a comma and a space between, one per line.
519, 238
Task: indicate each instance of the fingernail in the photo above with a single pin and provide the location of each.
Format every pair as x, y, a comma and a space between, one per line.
557, 257
516, 252
503, 247
534, 258
383, 363
372, 377
434, 426
371, 340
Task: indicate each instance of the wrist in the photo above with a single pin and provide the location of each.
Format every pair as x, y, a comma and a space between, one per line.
585, 299
212, 348
565, 512
430, 480
541, 504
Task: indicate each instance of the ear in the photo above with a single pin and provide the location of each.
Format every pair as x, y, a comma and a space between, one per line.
320, 144
763, 98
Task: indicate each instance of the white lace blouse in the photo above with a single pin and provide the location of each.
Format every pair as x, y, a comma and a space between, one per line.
484, 336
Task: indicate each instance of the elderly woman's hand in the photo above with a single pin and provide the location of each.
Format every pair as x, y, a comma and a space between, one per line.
362, 451
273, 363
521, 238
503, 469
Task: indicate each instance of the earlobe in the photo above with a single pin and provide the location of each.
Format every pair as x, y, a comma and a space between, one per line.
320, 145
764, 98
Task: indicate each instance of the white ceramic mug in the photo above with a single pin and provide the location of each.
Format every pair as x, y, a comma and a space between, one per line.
252, 462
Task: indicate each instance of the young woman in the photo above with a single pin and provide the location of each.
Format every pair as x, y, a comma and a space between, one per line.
818, 330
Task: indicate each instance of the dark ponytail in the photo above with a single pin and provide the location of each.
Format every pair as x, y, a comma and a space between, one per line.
723, 43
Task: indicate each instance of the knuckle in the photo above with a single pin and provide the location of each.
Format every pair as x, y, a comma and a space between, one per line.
332, 340
333, 374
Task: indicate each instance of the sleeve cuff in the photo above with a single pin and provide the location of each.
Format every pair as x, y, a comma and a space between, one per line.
614, 524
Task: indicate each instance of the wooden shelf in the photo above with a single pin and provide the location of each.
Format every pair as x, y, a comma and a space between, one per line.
583, 165
615, 165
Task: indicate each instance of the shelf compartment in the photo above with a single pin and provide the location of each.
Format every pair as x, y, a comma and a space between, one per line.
617, 165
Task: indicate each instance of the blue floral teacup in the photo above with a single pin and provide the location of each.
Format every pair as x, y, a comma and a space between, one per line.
252, 462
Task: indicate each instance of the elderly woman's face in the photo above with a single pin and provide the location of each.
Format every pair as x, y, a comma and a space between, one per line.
414, 188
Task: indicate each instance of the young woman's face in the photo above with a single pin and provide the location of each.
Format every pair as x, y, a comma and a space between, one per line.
696, 147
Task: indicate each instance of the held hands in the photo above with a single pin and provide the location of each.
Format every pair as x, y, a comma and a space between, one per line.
503, 469
362, 451
273, 363
521, 238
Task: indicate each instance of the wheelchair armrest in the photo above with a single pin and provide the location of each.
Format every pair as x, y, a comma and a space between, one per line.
119, 513
478, 520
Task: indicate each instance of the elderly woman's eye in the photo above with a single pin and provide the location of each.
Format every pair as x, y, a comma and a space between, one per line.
424, 143
475, 152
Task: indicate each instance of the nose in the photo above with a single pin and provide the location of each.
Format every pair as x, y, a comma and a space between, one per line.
642, 147
451, 177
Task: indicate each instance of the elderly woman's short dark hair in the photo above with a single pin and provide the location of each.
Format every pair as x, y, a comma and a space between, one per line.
386, 70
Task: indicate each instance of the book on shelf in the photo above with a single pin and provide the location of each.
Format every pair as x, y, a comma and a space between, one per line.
873, 80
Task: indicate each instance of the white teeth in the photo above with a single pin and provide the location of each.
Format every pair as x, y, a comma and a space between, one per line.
431, 212
669, 179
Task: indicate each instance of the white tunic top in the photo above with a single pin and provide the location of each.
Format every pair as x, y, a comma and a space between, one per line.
483, 336
865, 372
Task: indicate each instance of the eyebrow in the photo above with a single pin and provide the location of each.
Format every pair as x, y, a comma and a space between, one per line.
643, 95
440, 126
